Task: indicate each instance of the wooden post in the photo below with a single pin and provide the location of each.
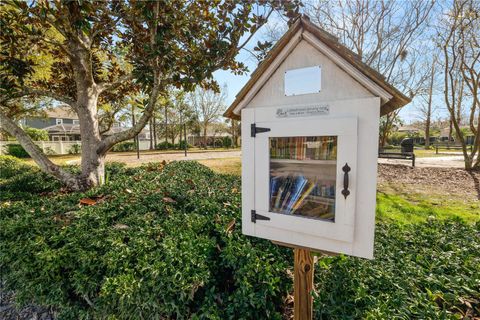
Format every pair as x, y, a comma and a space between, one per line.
303, 284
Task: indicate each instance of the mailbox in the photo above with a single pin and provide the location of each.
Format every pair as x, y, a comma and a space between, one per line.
310, 120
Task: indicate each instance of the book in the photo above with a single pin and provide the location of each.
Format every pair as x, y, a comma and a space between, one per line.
300, 183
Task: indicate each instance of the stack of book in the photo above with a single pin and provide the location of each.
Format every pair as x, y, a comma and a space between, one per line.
297, 194
304, 148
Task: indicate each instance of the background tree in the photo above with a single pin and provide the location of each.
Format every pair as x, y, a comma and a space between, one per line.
459, 41
389, 36
426, 108
99, 48
208, 105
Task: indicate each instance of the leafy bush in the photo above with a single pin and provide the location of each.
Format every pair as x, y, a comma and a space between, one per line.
227, 142
37, 134
181, 145
397, 137
17, 150
124, 146
21, 181
10, 166
165, 145
166, 241
75, 149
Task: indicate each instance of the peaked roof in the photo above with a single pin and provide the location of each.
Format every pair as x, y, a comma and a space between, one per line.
61, 112
397, 99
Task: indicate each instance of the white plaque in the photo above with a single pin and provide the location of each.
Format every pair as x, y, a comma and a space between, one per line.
303, 81
294, 112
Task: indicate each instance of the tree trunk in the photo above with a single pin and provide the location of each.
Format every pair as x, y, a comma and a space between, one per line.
154, 132
429, 107
166, 124
205, 135
151, 134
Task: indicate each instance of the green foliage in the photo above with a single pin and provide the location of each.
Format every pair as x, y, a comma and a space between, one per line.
165, 145
397, 137
124, 146
10, 166
425, 271
227, 142
17, 150
75, 149
167, 241
37, 134
21, 181
181, 145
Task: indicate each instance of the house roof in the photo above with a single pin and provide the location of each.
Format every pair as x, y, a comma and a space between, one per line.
408, 128
63, 129
61, 112
396, 98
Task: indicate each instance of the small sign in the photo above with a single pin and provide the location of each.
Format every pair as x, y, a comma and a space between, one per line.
303, 81
320, 110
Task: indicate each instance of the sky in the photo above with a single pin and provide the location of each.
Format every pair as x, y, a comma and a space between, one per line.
234, 83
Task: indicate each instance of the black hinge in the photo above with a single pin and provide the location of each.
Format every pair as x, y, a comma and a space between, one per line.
256, 216
255, 130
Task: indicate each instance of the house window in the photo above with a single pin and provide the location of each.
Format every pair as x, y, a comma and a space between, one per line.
76, 121
59, 121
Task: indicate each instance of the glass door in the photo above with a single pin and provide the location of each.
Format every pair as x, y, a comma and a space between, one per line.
301, 178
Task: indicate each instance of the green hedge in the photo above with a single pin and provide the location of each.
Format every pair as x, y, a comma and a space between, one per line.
166, 243
124, 146
16, 150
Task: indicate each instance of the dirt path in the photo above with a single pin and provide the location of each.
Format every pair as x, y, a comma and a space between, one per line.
430, 162
131, 159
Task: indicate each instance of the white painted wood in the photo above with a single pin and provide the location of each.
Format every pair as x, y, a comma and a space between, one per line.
346, 131
347, 67
367, 112
303, 81
248, 172
270, 70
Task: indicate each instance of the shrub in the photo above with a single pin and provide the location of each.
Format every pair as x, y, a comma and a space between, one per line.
166, 241
17, 150
124, 146
75, 149
21, 181
10, 166
181, 145
227, 142
37, 134
165, 145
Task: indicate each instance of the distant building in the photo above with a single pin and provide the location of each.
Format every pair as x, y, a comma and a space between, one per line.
62, 124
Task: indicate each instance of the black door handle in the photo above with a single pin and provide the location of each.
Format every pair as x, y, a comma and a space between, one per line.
345, 190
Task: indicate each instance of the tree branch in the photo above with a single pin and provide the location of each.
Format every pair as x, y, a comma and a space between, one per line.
105, 86
110, 141
37, 155
26, 91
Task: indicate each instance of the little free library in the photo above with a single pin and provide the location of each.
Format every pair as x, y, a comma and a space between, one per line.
310, 120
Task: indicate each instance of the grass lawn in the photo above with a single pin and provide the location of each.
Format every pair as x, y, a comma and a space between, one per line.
422, 153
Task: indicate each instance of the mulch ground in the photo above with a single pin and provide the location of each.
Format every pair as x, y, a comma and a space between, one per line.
448, 181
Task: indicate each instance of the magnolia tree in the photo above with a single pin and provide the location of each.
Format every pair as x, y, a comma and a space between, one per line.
88, 53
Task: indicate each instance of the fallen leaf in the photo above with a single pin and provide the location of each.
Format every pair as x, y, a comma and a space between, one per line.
87, 201
169, 200
230, 226
120, 226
